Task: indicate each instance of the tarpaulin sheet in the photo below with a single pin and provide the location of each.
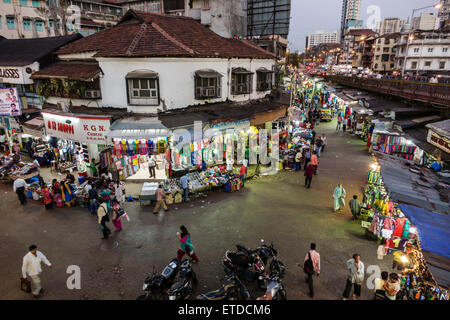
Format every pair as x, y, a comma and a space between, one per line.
433, 229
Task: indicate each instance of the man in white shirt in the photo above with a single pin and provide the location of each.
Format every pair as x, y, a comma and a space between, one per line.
31, 266
19, 188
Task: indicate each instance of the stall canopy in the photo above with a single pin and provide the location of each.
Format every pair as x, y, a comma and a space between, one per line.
34, 127
410, 184
138, 128
434, 235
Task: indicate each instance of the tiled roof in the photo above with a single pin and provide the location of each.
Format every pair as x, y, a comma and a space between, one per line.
88, 22
163, 36
361, 32
20, 52
85, 71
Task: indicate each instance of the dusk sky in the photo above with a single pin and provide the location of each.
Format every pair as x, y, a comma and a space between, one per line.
308, 16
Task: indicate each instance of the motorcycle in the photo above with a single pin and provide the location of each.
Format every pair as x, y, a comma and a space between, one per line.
275, 289
155, 285
231, 289
246, 264
266, 252
182, 289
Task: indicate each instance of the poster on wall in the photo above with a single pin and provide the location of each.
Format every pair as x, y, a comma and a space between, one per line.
9, 102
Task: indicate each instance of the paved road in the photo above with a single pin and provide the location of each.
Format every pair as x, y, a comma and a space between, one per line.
277, 208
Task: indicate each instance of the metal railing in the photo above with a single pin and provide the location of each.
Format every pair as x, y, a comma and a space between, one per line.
438, 93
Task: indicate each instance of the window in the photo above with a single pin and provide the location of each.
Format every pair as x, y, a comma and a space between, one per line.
386, 49
385, 57
427, 63
10, 23
207, 84
377, 57
376, 65
263, 79
444, 49
24, 3
143, 91
378, 49
416, 50
27, 24
414, 65
379, 40
403, 50
50, 24
392, 66
392, 57
430, 50
386, 41
35, 3
0, 22
7, 1
441, 64
206, 4
39, 25
394, 49
241, 81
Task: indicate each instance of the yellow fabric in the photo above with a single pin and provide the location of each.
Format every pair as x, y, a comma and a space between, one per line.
397, 256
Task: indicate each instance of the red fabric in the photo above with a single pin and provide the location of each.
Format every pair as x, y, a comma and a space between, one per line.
309, 171
399, 224
242, 170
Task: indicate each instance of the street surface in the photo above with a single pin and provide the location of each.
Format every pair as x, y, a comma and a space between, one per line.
276, 208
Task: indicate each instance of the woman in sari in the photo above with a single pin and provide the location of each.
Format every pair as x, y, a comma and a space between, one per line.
116, 215
68, 193
339, 195
56, 193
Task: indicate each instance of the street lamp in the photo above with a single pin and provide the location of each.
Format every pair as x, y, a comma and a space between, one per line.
411, 36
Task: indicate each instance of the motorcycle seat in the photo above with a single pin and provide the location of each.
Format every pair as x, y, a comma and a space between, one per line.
243, 249
237, 259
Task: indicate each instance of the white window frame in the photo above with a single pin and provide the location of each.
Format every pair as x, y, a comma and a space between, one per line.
134, 92
207, 87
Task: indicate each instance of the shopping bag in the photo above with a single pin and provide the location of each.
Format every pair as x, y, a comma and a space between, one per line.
25, 285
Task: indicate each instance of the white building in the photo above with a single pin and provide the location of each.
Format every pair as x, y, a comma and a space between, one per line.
428, 54
425, 22
321, 36
390, 25
161, 68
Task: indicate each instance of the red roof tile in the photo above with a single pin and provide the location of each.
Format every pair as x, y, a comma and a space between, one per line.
165, 35
76, 70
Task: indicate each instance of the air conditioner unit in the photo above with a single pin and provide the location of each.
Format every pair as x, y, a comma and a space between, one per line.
92, 94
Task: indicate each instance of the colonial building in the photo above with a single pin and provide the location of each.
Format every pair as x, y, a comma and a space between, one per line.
424, 53
385, 53
151, 63
351, 45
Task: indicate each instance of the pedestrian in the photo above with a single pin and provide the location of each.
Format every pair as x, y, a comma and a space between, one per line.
313, 135
339, 195
116, 215
344, 125
19, 188
315, 162
151, 167
160, 200
349, 123
380, 292
309, 172
119, 192
57, 193
70, 177
307, 158
93, 168
184, 181
298, 160
339, 122
68, 193
103, 217
47, 198
324, 142
93, 199
319, 146
242, 174
355, 207
31, 266
105, 194
311, 267
186, 245
355, 277
392, 286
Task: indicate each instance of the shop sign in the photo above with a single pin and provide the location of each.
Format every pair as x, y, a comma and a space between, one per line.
241, 124
82, 129
438, 141
18, 75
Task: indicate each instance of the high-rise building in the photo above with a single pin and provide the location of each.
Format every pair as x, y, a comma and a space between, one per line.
320, 37
351, 10
425, 22
444, 12
390, 25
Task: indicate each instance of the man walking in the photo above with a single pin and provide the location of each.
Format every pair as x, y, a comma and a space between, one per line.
315, 162
298, 160
307, 158
339, 122
355, 207
160, 196
93, 199
19, 188
184, 184
355, 277
312, 259
31, 266
151, 167
242, 174
102, 214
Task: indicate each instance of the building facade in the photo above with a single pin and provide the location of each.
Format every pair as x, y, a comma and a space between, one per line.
353, 47
385, 53
426, 22
390, 25
320, 37
351, 10
428, 53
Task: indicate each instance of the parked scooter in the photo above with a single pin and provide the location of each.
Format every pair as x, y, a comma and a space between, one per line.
247, 265
231, 289
155, 285
266, 252
275, 289
182, 289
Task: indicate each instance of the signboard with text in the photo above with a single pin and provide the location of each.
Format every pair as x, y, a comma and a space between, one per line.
438, 141
9, 102
86, 129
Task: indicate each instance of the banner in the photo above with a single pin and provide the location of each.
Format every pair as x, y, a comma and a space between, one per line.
9, 102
